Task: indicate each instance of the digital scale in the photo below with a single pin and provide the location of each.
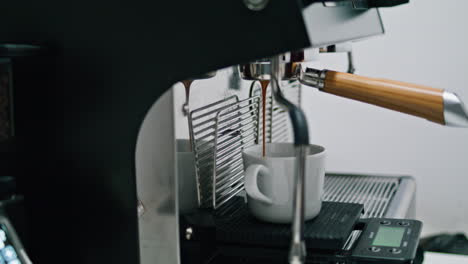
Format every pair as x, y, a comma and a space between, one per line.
337, 235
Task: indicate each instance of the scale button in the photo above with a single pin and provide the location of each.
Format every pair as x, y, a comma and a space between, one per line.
8, 253
374, 249
3, 235
385, 222
403, 223
395, 250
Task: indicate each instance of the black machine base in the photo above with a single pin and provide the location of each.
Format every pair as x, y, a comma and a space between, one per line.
232, 235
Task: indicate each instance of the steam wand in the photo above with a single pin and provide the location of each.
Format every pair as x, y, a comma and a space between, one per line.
297, 252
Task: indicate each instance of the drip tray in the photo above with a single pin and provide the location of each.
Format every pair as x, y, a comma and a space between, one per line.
233, 224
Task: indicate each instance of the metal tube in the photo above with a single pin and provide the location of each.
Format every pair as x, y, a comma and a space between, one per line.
454, 110
297, 252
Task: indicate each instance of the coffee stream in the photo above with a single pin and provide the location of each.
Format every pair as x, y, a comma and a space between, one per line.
264, 84
187, 84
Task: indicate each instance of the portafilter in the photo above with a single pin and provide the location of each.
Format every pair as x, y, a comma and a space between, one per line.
436, 105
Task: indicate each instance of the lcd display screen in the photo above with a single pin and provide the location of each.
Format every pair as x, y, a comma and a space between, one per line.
389, 236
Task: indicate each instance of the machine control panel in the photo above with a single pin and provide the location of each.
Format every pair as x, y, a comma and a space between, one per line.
388, 239
11, 249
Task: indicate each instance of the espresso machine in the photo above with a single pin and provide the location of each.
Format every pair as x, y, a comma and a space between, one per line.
222, 231
97, 127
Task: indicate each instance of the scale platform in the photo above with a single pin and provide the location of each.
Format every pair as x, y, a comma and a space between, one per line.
329, 230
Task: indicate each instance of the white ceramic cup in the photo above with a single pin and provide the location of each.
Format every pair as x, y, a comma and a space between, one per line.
187, 187
269, 181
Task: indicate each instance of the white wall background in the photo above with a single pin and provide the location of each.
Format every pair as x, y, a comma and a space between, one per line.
426, 42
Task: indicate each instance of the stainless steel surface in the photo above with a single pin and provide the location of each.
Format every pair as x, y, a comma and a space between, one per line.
328, 26
260, 70
312, 77
352, 239
374, 192
25, 256
219, 132
351, 67
454, 111
403, 203
156, 185
256, 5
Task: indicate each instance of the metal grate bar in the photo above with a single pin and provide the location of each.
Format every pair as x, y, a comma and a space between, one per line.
219, 133
374, 192
245, 114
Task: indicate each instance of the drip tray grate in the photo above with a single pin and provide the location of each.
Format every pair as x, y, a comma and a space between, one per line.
374, 192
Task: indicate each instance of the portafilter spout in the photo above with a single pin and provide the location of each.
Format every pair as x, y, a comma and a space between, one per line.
288, 62
297, 251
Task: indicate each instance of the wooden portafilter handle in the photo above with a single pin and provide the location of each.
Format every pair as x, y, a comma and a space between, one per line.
430, 103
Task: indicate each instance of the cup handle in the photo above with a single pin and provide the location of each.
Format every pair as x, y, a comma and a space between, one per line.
251, 182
